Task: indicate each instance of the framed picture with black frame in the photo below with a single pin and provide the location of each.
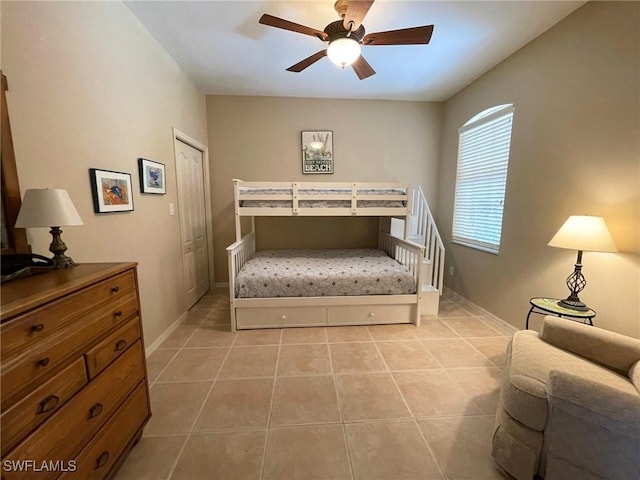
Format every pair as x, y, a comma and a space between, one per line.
111, 191
152, 177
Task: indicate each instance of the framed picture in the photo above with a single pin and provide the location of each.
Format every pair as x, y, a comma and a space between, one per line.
111, 191
152, 178
317, 151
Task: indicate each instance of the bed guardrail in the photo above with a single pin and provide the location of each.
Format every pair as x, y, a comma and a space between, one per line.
406, 253
293, 193
238, 253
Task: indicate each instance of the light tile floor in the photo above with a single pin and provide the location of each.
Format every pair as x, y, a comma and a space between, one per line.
361, 403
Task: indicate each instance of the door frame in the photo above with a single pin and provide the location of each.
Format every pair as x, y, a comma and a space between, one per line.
184, 138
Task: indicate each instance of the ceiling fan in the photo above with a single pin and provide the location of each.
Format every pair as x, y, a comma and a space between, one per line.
346, 36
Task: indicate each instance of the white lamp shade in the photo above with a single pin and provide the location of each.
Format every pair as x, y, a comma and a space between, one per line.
343, 51
47, 207
586, 233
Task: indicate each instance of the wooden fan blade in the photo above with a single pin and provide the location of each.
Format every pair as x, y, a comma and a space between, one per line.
272, 21
356, 12
298, 67
405, 36
362, 68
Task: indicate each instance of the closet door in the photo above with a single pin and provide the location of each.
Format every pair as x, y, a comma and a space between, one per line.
191, 198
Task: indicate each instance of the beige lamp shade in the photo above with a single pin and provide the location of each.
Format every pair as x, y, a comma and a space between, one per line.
585, 233
47, 207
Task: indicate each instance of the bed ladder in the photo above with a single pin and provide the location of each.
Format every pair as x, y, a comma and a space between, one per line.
422, 229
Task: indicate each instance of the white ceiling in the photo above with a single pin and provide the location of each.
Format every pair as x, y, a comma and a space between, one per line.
224, 49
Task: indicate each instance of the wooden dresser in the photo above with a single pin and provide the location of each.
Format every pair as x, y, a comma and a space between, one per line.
74, 396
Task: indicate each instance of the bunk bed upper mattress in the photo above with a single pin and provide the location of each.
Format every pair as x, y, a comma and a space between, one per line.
322, 202
317, 273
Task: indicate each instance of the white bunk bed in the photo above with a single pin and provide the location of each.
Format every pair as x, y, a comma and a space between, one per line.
383, 200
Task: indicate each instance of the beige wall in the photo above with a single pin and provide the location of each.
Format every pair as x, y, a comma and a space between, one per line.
90, 87
575, 149
258, 139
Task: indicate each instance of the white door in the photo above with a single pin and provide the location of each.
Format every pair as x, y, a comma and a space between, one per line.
191, 199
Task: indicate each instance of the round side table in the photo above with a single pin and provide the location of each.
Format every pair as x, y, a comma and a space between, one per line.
549, 306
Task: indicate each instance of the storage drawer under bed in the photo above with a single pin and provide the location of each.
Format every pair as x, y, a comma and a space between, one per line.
275, 317
368, 314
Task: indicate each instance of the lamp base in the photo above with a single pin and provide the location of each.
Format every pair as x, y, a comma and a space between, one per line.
576, 283
573, 304
58, 247
62, 261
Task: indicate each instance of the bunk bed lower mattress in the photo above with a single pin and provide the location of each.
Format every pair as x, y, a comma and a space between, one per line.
318, 273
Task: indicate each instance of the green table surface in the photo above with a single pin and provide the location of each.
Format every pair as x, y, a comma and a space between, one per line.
551, 305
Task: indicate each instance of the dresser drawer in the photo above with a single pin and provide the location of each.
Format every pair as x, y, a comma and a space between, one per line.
112, 347
45, 321
42, 361
68, 430
95, 461
40, 404
281, 317
368, 314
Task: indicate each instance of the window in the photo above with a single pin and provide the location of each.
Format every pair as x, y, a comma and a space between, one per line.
481, 180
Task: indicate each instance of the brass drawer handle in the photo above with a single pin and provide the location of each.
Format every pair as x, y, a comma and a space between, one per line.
37, 327
43, 362
48, 404
115, 289
118, 314
120, 345
95, 411
102, 459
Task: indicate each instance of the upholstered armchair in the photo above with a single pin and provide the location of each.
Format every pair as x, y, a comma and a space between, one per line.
569, 404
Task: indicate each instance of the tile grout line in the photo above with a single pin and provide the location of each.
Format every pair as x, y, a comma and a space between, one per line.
340, 413
413, 417
273, 395
155, 380
204, 401
485, 356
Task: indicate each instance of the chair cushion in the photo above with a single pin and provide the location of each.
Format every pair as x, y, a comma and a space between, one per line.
529, 361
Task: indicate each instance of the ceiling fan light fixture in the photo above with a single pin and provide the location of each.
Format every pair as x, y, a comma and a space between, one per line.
343, 51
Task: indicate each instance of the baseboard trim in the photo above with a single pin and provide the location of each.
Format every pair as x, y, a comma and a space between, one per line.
480, 311
221, 285
163, 336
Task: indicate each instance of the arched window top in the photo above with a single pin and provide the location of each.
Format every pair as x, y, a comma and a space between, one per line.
487, 115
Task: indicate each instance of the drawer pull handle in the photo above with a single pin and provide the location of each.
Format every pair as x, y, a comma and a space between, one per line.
37, 327
118, 314
284, 317
48, 404
43, 362
95, 411
102, 459
120, 345
115, 289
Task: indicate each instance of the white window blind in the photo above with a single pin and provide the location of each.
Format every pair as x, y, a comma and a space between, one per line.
481, 180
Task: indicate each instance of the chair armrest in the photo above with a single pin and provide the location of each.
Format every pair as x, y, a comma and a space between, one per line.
595, 402
634, 375
613, 350
593, 429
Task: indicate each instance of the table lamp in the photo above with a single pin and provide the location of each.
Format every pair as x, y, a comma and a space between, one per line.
581, 233
49, 207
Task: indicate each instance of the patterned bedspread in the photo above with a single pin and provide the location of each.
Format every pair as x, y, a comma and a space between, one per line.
317, 273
